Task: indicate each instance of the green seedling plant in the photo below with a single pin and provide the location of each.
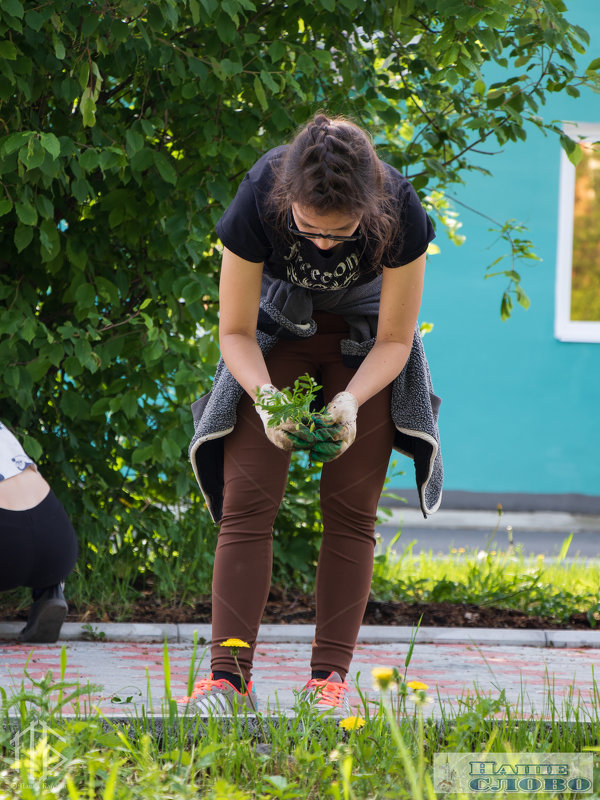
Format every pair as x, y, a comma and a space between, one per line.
315, 431
291, 404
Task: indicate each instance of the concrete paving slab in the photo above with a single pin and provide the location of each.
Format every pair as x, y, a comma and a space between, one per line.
127, 678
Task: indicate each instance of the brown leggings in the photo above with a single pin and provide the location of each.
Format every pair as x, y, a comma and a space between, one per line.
255, 481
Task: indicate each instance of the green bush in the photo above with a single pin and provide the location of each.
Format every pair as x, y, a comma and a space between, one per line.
125, 130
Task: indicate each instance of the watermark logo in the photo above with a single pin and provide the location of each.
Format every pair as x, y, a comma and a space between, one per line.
34, 757
491, 773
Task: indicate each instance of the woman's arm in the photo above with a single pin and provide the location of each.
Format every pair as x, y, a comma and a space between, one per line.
401, 292
239, 297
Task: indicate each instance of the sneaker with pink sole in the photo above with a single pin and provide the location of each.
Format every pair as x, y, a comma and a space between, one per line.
220, 698
329, 695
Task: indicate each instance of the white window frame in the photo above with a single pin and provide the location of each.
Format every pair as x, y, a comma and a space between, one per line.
566, 329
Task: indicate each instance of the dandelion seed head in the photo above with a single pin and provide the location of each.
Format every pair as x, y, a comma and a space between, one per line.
419, 698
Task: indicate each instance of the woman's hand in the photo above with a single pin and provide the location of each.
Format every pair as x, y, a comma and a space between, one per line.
343, 410
276, 434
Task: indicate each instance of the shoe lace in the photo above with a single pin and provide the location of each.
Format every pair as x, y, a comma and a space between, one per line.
330, 693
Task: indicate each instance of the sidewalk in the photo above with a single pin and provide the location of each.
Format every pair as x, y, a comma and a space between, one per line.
534, 531
128, 665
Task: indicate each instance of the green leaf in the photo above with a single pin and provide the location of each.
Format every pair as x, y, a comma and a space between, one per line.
276, 51
305, 64
575, 155
142, 454
210, 6
195, 11
8, 50
28, 329
268, 81
130, 405
34, 20
5, 207
33, 155
44, 206
231, 7
23, 237
26, 213
594, 65
87, 106
231, 67
226, 28
76, 253
85, 295
100, 407
49, 240
51, 144
89, 160
59, 48
107, 290
260, 93
31, 446
164, 167
522, 297
70, 404
13, 7
171, 448
133, 141
38, 369
15, 141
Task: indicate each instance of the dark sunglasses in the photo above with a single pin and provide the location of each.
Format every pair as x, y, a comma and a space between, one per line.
293, 229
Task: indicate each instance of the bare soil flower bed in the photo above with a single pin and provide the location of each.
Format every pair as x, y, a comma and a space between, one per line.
287, 607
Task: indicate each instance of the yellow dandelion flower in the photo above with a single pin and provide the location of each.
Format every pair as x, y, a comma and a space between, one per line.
351, 723
461, 549
416, 685
382, 677
541, 557
234, 643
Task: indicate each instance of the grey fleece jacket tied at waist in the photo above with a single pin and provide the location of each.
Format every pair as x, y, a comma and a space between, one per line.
286, 313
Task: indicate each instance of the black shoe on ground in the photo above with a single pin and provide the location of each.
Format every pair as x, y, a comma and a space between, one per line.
46, 616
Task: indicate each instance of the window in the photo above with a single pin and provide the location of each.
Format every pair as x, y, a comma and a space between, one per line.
577, 310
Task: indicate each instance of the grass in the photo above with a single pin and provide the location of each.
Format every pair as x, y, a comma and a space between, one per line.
491, 577
79, 754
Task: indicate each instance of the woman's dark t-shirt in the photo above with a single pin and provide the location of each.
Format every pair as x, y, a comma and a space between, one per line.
246, 228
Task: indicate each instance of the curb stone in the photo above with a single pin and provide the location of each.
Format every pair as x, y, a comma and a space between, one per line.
304, 634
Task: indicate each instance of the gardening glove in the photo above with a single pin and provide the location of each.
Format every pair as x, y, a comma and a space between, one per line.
277, 434
343, 410
318, 438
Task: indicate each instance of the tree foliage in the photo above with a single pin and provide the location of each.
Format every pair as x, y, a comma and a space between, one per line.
125, 127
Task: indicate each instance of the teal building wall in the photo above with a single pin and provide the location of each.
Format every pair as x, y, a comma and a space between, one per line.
520, 410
